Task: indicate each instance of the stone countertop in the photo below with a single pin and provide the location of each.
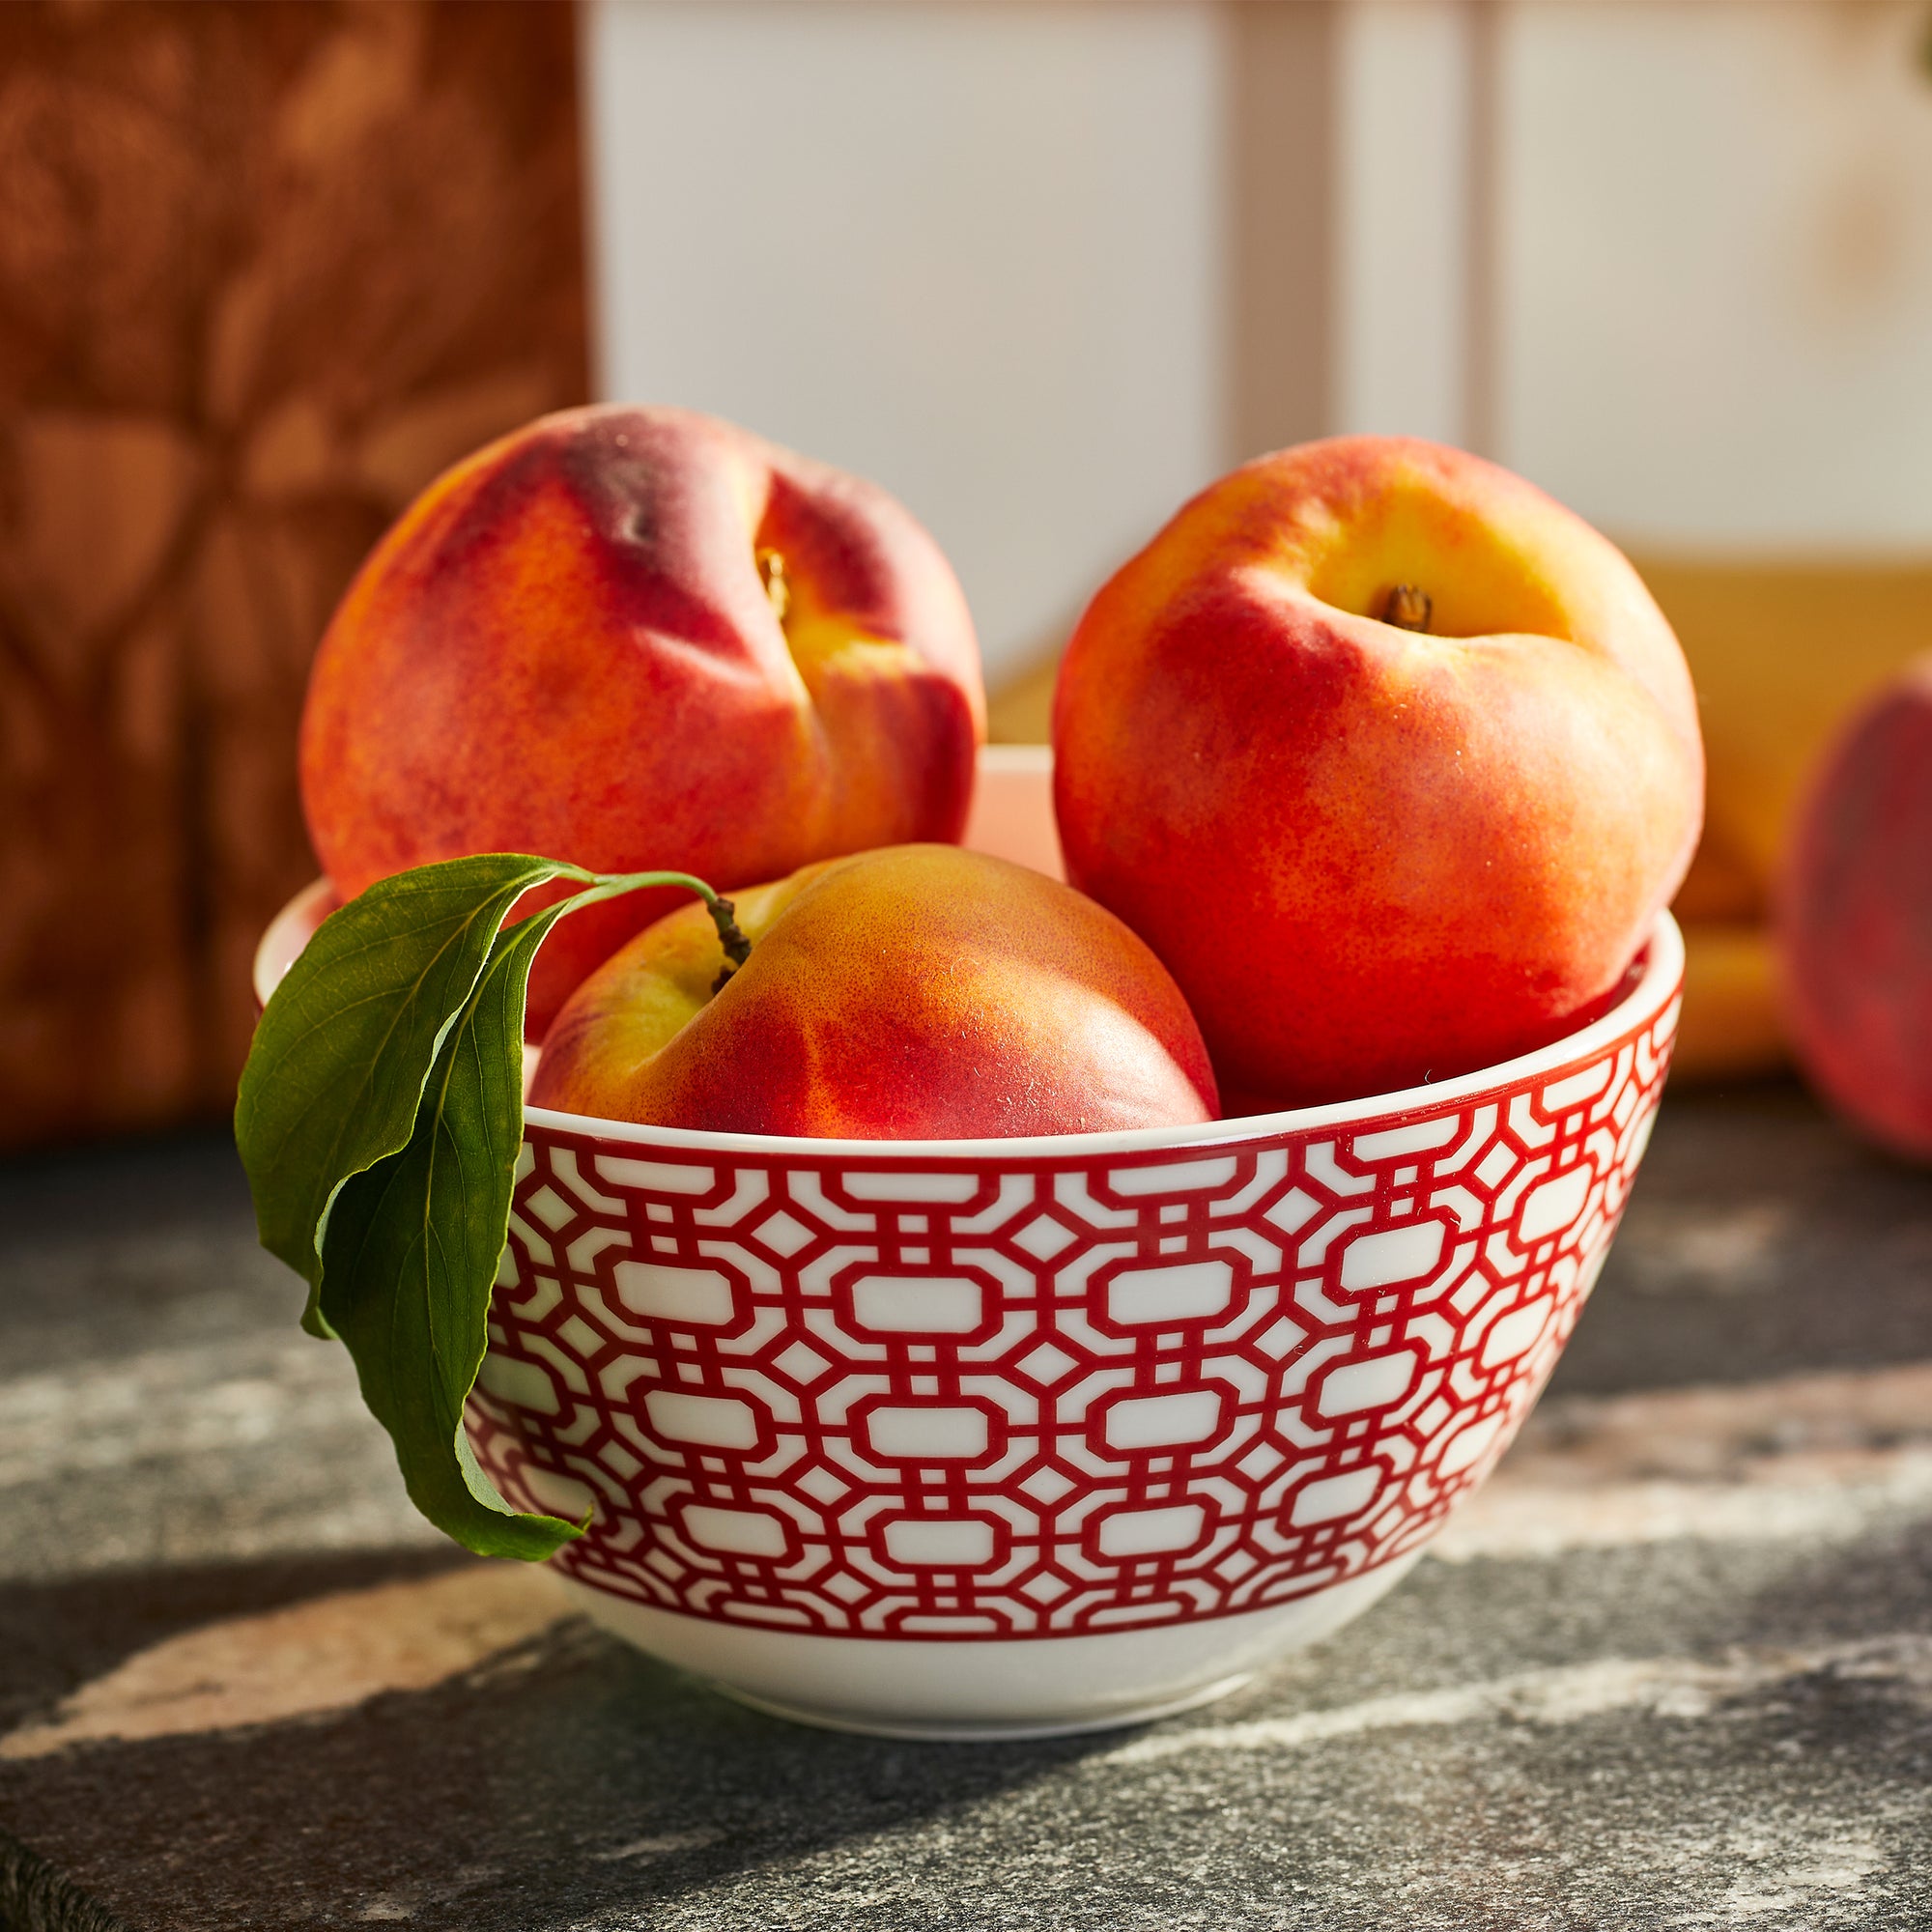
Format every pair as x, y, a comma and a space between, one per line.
1672, 1667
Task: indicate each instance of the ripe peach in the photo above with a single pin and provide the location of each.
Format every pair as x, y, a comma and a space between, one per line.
1854, 919
1415, 732
919, 992
640, 639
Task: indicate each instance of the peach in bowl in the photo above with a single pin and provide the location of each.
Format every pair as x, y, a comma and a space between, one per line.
1008, 1437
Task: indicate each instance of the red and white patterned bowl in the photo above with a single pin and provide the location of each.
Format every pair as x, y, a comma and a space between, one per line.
1013, 1437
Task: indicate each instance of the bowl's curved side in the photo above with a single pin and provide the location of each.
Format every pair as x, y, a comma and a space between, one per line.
1109, 1415
897, 1396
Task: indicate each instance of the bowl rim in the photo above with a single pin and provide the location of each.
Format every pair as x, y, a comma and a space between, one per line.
1658, 982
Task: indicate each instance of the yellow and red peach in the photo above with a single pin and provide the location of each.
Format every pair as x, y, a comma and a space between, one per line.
640, 639
919, 992
1854, 919
1425, 849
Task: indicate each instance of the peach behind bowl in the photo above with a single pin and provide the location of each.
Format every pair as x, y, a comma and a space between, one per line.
1010, 1438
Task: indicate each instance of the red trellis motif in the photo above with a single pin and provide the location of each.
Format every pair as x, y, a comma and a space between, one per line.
895, 1397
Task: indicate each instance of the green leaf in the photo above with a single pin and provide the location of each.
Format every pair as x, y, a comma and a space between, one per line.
410, 1253
336, 1072
380, 1119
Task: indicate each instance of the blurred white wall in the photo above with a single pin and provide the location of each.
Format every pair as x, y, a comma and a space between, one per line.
972, 251
1716, 250
1693, 296
1672, 258
1405, 219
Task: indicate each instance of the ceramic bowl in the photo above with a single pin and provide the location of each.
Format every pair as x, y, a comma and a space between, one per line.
995, 1439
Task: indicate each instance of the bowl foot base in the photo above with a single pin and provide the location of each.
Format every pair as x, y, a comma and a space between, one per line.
984, 1688
953, 1731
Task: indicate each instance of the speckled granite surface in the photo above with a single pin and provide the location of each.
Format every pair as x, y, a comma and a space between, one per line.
1672, 1668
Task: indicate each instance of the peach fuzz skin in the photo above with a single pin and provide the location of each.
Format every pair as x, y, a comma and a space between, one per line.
920, 992
566, 647
1423, 852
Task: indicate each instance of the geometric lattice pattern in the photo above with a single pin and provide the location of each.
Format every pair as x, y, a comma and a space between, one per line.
900, 1397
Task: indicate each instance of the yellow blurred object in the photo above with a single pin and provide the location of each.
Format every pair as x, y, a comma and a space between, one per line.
1720, 886
1729, 1027
1020, 712
1780, 654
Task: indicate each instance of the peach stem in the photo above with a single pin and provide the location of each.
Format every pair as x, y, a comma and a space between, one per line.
1408, 608
772, 569
724, 914
737, 948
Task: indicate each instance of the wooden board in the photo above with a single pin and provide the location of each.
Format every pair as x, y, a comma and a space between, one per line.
264, 271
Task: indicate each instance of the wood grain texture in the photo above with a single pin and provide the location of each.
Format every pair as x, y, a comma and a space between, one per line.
264, 271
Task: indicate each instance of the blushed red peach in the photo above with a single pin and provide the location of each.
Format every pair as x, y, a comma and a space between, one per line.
1854, 919
921, 992
639, 640
1373, 855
